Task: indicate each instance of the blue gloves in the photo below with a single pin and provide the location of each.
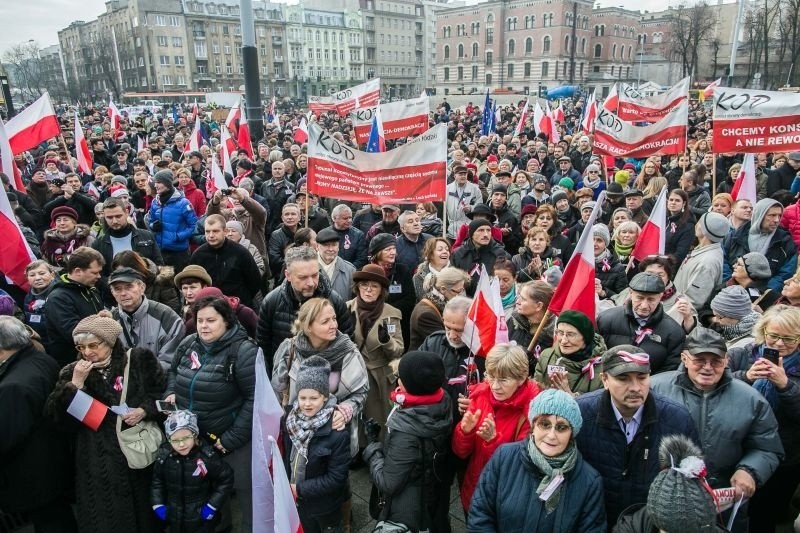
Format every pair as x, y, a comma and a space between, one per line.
161, 511
207, 512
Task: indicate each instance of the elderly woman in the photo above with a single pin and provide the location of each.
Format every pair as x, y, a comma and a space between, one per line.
570, 365
213, 375
751, 271
65, 237
609, 272
536, 256
427, 315
506, 496
497, 413
377, 336
41, 277
624, 238
771, 365
383, 252
618, 216
733, 316
436, 256
533, 297
110, 496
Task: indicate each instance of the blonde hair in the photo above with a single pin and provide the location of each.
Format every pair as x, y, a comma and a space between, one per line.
507, 361
782, 316
446, 279
627, 225
308, 313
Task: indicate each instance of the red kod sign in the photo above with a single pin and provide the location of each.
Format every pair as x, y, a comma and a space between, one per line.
343, 102
414, 172
400, 119
619, 138
751, 122
635, 107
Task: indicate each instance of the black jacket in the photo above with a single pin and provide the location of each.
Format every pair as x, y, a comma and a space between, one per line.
455, 365
232, 269
276, 197
467, 257
611, 274
679, 238
780, 178
506, 219
142, 242
352, 246
69, 303
82, 203
402, 296
276, 250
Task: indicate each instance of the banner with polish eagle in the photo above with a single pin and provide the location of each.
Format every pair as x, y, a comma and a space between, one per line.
32, 125
619, 138
486, 320
753, 121
344, 102
635, 107
400, 119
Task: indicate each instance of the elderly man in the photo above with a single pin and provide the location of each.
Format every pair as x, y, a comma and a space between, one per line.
276, 191
279, 308
339, 271
352, 241
462, 197
701, 272
479, 249
623, 425
282, 237
737, 428
388, 224
145, 323
641, 321
411, 240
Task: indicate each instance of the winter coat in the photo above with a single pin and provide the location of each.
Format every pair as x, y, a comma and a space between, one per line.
253, 217
730, 441
523, 259
679, 237
160, 286
402, 296
279, 240
232, 269
521, 331
506, 219
34, 308
220, 392
409, 253
511, 425
352, 246
158, 329
505, 498
455, 203
790, 221
580, 375
57, 248
611, 274
184, 484
469, 259
195, 197
780, 178
699, 202
664, 344
342, 279
700, 275
69, 303
82, 203
276, 196
177, 222
432, 225
781, 254
455, 361
142, 242
426, 318
628, 469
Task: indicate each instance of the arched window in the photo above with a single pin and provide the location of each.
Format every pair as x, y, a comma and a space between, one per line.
598, 50
528, 45
474, 49
583, 46
566, 44
447, 51
546, 44
490, 18
511, 47
460, 50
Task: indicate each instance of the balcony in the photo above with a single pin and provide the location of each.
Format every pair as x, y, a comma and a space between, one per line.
277, 40
370, 61
200, 78
277, 59
354, 45
369, 27
418, 32
199, 34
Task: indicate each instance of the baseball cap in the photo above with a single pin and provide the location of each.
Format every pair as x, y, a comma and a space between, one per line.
705, 340
625, 358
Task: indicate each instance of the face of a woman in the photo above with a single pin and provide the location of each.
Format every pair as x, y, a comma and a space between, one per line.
628, 237
521, 180
551, 435
323, 329
537, 243
569, 339
369, 291
506, 280
525, 305
420, 210
649, 169
503, 387
544, 221
674, 203
182, 441
619, 218
721, 206
441, 253
739, 273
659, 271
388, 255
93, 350
39, 277
210, 324
785, 345
64, 224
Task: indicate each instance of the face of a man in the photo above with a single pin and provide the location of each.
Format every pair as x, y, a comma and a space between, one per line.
633, 202
278, 170
303, 277
343, 221
215, 234
390, 216
558, 151
328, 251
454, 323
190, 290
115, 217
290, 217
628, 391
644, 303
128, 294
771, 219
74, 182
87, 276
413, 226
482, 236
704, 369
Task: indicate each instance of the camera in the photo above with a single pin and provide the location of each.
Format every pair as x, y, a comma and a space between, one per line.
58, 182
225, 192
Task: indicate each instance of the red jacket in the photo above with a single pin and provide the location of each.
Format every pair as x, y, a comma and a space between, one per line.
790, 221
510, 417
195, 197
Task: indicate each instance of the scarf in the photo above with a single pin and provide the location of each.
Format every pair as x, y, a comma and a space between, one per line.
368, 314
406, 399
436, 298
623, 250
669, 292
328, 269
334, 353
743, 328
765, 386
301, 428
552, 467
591, 184
511, 297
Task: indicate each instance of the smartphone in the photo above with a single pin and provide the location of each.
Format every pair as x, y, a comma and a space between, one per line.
771, 355
165, 407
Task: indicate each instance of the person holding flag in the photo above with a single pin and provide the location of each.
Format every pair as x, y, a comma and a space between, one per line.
479, 250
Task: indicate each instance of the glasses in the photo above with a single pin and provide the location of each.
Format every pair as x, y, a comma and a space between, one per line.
545, 425
594, 172
181, 441
700, 362
91, 346
772, 337
569, 335
457, 292
500, 381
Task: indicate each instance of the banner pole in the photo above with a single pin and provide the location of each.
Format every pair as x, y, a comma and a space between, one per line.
545, 318
444, 213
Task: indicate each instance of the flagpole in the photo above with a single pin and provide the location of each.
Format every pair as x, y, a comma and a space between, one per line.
444, 215
545, 318
307, 202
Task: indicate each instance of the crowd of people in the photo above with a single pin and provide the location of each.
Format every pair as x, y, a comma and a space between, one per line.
153, 292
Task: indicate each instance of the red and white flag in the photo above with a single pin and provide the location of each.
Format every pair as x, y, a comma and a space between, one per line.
553, 135
217, 181
541, 121
635, 107
194, 139
708, 92
113, 114
7, 164
486, 319
227, 147
140, 145
654, 232
522, 119
400, 119
745, 186
32, 125
619, 138
575, 291
88, 410
15, 254
344, 102
234, 115
243, 139
590, 114
558, 113
82, 153
195, 109
612, 100
287, 519
752, 122
301, 131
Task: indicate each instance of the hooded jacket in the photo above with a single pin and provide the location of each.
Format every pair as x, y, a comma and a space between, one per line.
195, 197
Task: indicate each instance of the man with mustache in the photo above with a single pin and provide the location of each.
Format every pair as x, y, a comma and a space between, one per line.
623, 425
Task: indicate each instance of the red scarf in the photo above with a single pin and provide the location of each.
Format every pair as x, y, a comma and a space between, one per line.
406, 399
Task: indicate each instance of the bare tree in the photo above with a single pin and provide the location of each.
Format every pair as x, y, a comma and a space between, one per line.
692, 27
789, 32
27, 67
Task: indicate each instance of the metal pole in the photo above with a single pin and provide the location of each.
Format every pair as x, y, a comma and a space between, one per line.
641, 58
735, 42
252, 84
573, 38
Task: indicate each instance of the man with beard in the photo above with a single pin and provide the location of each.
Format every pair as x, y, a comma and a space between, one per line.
538, 194
389, 224
479, 249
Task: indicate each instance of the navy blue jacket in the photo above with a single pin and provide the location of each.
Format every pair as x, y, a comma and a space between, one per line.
352, 246
410, 253
628, 469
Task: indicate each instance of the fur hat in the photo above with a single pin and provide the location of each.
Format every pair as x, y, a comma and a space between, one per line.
559, 403
421, 372
380, 242
104, 328
178, 420
314, 373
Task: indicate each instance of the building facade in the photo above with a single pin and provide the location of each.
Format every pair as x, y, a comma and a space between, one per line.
613, 48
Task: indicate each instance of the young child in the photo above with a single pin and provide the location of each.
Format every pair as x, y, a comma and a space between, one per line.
316, 457
190, 480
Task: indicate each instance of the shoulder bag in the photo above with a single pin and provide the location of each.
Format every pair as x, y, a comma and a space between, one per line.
138, 443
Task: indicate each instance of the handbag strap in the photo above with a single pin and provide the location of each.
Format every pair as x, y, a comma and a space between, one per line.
124, 395
432, 305
521, 421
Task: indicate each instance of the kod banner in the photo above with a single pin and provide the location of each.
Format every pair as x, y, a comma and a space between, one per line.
400, 119
343, 102
619, 138
414, 172
750, 122
636, 107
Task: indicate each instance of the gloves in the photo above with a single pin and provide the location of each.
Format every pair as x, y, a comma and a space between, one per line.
157, 226
370, 451
383, 334
161, 512
371, 430
207, 512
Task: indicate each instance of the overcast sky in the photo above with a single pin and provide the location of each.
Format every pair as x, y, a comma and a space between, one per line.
40, 20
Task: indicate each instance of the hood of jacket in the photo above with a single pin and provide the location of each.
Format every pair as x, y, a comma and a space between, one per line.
760, 211
426, 421
81, 232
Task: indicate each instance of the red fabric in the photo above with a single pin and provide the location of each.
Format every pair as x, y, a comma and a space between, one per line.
195, 197
406, 399
790, 221
463, 234
506, 417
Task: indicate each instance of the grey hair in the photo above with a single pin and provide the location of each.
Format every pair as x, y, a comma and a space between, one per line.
340, 209
459, 304
247, 184
276, 156
298, 254
446, 279
13, 334
80, 338
403, 218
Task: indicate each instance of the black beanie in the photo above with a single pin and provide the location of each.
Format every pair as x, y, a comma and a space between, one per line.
422, 373
381, 241
477, 223
165, 178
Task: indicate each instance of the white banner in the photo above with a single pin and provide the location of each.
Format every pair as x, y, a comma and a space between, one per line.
400, 119
618, 138
344, 101
755, 121
635, 107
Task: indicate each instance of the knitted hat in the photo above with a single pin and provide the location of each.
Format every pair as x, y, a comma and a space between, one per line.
559, 403
567, 183
678, 499
614, 190
104, 328
166, 153
580, 322
192, 271
757, 266
592, 168
622, 177
314, 374
235, 225
63, 211
528, 209
552, 275
421, 372
119, 192
500, 188
7, 305
381, 241
491, 159
733, 302
559, 195
714, 226
601, 230
178, 420
164, 177
629, 166
478, 223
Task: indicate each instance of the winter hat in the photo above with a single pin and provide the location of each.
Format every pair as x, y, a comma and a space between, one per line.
421, 372
7, 304
528, 209
580, 322
733, 302
622, 177
601, 230
314, 374
235, 225
500, 188
104, 328
192, 272
559, 403
680, 498
629, 166
714, 226
552, 276
583, 138
584, 191
477, 223
614, 189
588, 205
757, 266
491, 159
567, 183
380, 242
178, 420
119, 192
559, 195
164, 177
63, 211
592, 167
119, 179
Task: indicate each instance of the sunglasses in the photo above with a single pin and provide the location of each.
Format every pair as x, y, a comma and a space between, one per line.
546, 426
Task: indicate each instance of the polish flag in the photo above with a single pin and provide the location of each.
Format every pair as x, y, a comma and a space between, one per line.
195, 109
234, 115
15, 254
522, 119
554, 135
376, 141
243, 138
708, 92
541, 122
113, 114
590, 114
486, 320
82, 153
194, 139
652, 237
745, 186
227, 147
575, 291
558, 113
611, 102
218, 179
140, 144
32, 125
287, 520
7, 164
88, 410
301, 131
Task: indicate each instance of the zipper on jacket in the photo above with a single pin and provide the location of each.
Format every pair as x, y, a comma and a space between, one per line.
191, 384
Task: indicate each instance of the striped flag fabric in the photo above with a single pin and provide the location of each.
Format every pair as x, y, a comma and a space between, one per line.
7, 164
377, 139
82, 152
15, 254
486, 320
287, 519
32, 125
745, 186
243, 137
653, 236
88, 410
113, 114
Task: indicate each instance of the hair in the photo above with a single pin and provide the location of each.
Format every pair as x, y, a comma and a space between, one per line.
102, 169
627, 225
40, 263
686, 215
215, 219
220, 305
723, 196
308, 313
447, 278
276, 156
290, 204
13, 334
691, 176
304, 236
783, 316
297, 254
403, 218
111, 203
734, 170
459, 304
430, 247
537, 290
183, 171
667, 262
536, 230
507, 265
83, 258
507, 361
550, 210
429, 207
654, 186
131, 259
340, 209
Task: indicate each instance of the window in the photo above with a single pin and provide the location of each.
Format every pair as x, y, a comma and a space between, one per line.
545, 69
446, 74
474, 50
161, 20
489, 35
474, 72
598, 50
162, 40
175, 22
460, 50
227, 49
528, 46
179, 60
489, 58
229, 68
546, 44
141, 61
215, 47
460, 73
446, 52
164, 60
166, 79
177, 42
511, 46
527, 70
510, 70
614, 52
181, 79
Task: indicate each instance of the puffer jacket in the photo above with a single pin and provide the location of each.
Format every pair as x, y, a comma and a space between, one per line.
583, 375
781, 254
628, 469
220, 392
505, 497
730, 441
790, 221
57, 248
177, 222
184, 484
